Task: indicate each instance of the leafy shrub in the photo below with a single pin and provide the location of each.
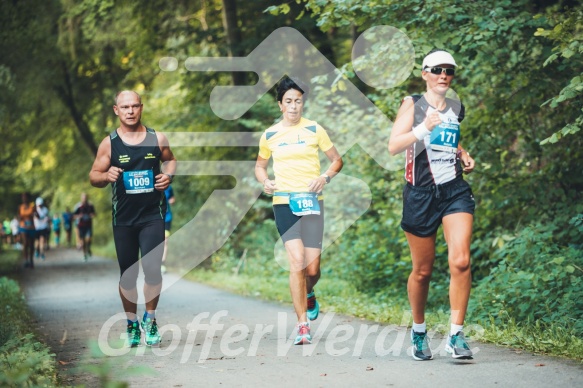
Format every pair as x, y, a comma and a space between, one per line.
372, 255
26, 362
12, 310
23, 360
536, 279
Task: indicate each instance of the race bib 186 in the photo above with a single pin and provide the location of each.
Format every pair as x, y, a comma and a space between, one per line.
137, 182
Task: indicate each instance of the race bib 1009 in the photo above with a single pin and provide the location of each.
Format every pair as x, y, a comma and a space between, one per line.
136, 182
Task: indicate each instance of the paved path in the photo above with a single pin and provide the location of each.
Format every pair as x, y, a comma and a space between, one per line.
213, 338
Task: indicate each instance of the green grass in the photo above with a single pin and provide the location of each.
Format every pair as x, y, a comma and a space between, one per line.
341, 297
334, 295
537, 337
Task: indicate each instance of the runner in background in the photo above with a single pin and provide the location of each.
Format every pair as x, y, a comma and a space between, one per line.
14, 226
68, 224
42, 226
27, 231
78, 240
3, 236
84, 213
57, 228
6, 232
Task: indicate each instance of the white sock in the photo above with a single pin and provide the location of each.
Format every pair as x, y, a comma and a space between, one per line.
419, 327
455, 329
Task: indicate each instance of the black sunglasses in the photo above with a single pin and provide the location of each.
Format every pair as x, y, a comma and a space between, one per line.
440, 70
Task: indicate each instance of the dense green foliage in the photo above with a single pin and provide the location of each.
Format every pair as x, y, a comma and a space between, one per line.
519, 78
543, 285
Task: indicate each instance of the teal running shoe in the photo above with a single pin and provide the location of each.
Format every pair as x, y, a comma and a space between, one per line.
313, 306
151, 335
134, 335
304, 337
458, 347
421, 350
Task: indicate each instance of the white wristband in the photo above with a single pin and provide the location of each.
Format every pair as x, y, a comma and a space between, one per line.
421, 131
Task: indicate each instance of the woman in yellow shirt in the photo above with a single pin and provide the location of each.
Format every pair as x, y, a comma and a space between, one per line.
298, 206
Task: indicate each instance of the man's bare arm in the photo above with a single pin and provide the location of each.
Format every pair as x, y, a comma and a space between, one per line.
102, 172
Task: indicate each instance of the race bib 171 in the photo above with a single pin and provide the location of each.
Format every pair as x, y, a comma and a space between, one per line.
445, 137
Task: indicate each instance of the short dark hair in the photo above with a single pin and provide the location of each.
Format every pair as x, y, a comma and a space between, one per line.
287, 83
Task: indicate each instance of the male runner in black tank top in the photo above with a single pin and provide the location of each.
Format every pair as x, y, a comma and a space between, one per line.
129, 158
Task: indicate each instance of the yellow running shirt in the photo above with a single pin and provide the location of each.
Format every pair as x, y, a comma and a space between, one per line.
295, 155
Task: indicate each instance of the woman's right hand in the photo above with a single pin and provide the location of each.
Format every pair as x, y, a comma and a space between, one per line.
432, 120
269, 186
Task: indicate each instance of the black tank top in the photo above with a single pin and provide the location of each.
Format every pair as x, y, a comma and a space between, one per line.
134, 198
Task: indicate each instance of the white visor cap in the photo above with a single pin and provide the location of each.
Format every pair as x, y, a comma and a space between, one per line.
438, 58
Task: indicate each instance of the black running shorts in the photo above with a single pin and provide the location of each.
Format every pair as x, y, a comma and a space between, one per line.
309, 229
424, 207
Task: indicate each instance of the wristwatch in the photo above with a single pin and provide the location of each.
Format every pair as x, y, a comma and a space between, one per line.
326, 177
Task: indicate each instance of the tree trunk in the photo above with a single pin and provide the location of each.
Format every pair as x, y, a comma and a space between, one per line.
233, 33
65, 92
